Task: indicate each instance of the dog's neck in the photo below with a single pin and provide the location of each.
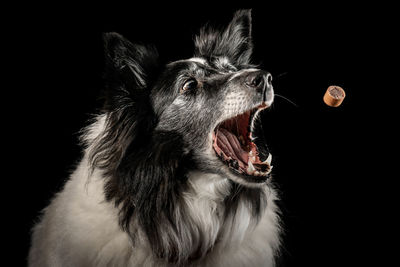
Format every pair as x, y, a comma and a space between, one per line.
219, 212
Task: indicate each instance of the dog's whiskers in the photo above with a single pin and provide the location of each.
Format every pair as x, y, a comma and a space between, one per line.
287, 99
280, 75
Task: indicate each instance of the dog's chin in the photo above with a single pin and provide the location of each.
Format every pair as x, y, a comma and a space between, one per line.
242, 162
247, 180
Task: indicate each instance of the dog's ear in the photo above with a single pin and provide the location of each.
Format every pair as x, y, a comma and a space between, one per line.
235, 42
129, 68
129, 73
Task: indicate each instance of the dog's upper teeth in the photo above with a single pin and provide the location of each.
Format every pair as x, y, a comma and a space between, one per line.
251, 156
269, 159
250, 168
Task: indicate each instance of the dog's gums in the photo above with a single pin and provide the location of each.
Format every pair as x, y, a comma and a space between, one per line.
232, 142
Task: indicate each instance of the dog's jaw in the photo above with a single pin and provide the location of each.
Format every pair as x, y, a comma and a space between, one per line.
233, 136
246, 174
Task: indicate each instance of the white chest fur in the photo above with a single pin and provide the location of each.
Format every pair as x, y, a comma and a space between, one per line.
80, 228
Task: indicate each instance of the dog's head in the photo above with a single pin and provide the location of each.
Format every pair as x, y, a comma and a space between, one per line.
210, 101
193, 114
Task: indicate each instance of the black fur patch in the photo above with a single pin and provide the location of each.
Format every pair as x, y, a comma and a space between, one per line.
145, 154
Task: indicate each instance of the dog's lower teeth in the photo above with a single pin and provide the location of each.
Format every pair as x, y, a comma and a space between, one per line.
269, 170
250, 168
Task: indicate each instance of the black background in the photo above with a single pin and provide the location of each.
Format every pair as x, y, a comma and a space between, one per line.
326, 200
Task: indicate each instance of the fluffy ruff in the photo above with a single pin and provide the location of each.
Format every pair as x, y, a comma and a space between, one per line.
156, 187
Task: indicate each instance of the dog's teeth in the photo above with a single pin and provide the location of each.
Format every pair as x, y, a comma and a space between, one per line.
250, 168
269, 159
252, 156
257, 173
269, 170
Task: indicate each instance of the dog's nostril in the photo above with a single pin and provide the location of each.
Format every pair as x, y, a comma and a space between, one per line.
255, 80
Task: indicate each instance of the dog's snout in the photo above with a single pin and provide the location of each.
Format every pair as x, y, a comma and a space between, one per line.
258, 80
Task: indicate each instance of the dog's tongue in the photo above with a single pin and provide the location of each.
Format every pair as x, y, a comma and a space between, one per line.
230, 145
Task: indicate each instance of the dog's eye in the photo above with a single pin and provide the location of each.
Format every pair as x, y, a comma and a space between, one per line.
189, 85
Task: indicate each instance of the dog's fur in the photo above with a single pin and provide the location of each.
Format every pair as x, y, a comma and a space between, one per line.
150, 190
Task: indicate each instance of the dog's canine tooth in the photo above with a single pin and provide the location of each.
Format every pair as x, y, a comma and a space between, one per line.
269, 170
250, 168
269, 159
251, 156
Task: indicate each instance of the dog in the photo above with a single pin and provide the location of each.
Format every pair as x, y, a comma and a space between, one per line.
173, 171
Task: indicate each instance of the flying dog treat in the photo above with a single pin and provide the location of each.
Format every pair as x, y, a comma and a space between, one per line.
334, 96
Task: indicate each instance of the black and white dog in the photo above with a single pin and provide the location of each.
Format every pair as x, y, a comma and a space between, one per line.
172, 172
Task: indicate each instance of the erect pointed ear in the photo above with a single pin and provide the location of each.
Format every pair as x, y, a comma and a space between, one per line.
234, 42
129, 65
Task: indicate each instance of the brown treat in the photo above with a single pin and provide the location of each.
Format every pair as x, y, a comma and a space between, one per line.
334, 96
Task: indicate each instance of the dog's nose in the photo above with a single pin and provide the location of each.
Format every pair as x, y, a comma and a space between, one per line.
258, 80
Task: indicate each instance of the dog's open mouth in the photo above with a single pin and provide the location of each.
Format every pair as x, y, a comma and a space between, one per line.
232, 142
